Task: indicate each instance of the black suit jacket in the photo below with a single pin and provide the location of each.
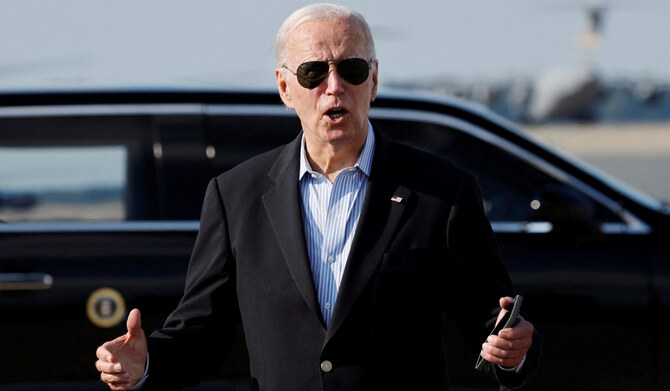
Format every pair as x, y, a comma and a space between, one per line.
413, 264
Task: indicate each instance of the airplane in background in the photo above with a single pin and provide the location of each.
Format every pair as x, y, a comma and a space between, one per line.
571, 91
565, 93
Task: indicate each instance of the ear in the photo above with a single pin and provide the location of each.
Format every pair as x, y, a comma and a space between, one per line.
282, 86
375, 81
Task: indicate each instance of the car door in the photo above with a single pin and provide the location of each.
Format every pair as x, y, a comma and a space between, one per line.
575, 255
81, 242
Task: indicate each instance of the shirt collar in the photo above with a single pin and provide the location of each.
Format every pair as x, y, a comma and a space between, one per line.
364, 162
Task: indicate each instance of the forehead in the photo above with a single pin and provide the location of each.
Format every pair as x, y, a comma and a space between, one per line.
326, 40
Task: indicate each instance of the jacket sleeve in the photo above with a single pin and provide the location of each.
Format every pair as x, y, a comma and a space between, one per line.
482, 279
199, 332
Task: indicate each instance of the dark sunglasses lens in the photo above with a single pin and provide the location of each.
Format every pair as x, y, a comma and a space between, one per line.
354, 70
311, 74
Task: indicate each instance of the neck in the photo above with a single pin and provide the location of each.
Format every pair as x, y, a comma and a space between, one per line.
330, 159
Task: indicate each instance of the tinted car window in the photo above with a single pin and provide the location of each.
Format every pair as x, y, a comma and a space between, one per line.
63, 183
512, 187
76, 169
236, 138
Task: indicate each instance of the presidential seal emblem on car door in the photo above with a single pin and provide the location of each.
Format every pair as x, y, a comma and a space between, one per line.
105, 307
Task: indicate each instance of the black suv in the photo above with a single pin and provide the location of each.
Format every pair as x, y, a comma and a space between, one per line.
100, 192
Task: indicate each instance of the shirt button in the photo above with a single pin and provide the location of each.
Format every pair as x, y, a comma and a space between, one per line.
314, 176
331, 259
326, 366
327, 305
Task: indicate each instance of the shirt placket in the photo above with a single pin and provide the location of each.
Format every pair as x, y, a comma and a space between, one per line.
336, 221
327, 254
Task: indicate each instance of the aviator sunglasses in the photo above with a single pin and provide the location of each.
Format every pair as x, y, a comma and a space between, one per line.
353, 70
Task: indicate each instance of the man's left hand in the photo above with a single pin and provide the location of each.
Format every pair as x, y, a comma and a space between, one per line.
510, 346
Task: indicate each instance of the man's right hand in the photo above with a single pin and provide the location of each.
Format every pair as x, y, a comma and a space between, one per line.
122, 362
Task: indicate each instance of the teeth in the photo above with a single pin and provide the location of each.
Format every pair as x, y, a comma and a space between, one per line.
336, 113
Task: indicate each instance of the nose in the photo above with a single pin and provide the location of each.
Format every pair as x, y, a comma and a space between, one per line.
335, 86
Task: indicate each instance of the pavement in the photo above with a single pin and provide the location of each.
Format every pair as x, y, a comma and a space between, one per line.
637, 154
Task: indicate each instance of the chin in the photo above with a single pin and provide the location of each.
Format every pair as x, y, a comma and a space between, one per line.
330, 134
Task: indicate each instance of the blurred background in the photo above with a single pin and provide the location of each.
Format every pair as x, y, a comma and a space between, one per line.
590, 77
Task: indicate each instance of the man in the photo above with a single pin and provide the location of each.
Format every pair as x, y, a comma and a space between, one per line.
342, 253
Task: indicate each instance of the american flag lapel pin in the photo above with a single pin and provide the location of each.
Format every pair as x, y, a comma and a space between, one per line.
396, 199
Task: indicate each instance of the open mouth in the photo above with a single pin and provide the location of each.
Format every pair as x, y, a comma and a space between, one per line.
335, 113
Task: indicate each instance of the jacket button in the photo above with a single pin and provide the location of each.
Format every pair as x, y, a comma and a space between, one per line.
326, 366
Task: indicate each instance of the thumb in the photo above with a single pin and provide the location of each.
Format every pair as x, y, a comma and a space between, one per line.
134, 323
506, 302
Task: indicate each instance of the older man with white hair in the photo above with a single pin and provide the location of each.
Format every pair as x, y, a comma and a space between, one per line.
342, 253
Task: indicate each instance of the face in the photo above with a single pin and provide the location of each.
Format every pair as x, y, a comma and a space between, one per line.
335, 112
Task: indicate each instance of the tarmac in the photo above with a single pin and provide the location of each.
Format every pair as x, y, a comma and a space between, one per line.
636, 153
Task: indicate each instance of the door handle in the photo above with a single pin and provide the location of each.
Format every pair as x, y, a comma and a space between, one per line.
25, 281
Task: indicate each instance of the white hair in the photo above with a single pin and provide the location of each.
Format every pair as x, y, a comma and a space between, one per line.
320, 12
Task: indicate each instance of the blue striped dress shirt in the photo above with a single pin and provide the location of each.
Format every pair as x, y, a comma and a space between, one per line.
330, 214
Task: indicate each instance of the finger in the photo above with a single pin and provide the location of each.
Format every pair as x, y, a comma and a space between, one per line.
103, 353
134, 323
523, 329
513, 345
502, 353
509, 362
108, 367
120, 386
505, 354
505, 348
114, 378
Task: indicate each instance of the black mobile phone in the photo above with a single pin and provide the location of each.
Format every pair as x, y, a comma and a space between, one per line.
508, 320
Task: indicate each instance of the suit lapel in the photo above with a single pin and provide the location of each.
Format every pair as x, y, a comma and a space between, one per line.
282, 204
383, 207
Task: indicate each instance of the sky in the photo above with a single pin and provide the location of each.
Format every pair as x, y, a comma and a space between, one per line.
229, 42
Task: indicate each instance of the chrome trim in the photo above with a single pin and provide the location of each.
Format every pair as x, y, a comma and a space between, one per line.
25, 281
105, 226
102, 109
538, 227
244, 109
543, 227
634, 224
617, 228
83, 110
